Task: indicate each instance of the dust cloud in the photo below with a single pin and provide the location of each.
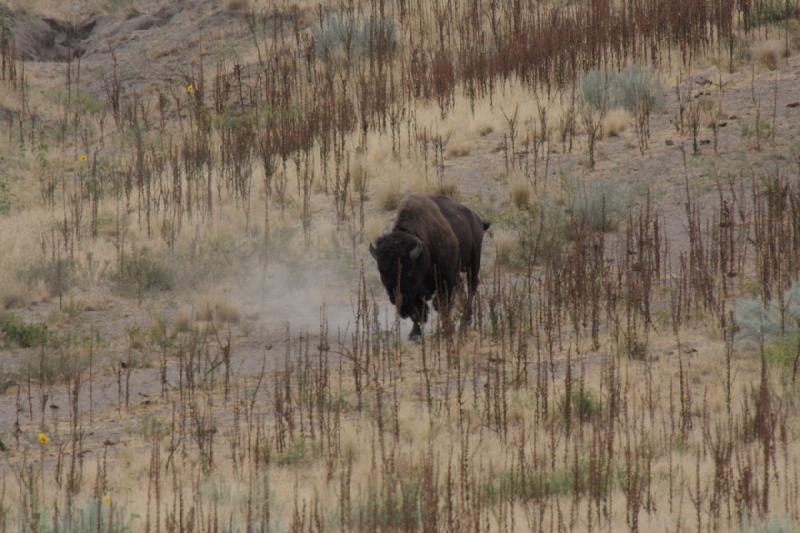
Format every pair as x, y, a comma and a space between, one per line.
300, 295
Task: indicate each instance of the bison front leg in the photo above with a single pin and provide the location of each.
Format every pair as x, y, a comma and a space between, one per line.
416, 332
419, 316
473, 280
443, 302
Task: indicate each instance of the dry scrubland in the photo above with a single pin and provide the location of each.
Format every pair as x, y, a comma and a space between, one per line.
193, 337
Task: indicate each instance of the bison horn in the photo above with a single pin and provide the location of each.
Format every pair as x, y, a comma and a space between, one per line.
416, 251
373, 251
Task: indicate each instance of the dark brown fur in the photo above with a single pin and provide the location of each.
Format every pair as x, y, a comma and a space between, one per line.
447, 237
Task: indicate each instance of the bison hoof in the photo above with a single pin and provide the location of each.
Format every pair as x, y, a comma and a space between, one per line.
415, 334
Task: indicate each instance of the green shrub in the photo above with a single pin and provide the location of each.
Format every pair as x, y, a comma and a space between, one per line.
7, 380
59, 361
598, 205
298, 452
214, 258
739, 46
583, 404
340, 28
782, 351
94, 515
58, 276
141, 271
21, 333
6, 23
160, 334
153, 428
756, 129
756, 320
593, 89
627, 89
82, 101
541, 230
527, 486
771, 524
773, 11
399, 502
634, 86
780, 332
5, 198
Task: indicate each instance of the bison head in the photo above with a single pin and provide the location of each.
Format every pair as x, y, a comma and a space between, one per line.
402, 263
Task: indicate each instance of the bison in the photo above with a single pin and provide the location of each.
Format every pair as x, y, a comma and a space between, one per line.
433, 240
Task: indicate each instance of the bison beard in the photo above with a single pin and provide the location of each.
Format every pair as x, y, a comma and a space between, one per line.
433, 240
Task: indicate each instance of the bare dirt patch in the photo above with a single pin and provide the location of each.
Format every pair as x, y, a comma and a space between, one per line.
48, 39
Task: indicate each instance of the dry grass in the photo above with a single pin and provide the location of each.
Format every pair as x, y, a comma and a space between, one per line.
506, 244
326, 238
236, 5
218, 309
359, 175
768, 53
418, 183
13, 294
387, 192
381, 421
374, 228
520, 194
459, 148
226, 312
448, 188
615, 122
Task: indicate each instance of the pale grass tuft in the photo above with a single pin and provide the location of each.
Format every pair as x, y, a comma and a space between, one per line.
237, 5
447, 188
326, 237
376, 160
615, 122
520, 194
525, 137
505, 242
217, 310
131, 12
459, 148
183, 323
387, 192
713, 117
373, 228
420, 184
13, 293
767, 53
358, 175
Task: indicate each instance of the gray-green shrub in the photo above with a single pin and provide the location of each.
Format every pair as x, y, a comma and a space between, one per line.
347, 32
627, 89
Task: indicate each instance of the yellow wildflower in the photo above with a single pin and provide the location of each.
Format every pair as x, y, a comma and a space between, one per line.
190, 88
107, 499
43, 438
83, 157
